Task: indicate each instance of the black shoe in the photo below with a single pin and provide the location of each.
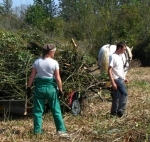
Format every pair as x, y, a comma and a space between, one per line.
113, 113
120, 113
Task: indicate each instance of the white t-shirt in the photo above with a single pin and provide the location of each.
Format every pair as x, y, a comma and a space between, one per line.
115, 61
45, 67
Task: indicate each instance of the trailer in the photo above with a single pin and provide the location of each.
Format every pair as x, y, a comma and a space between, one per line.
20, 107
70, 102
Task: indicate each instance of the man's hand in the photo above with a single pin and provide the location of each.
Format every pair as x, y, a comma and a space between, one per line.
60, 94
114, 86
126, 80
28, 92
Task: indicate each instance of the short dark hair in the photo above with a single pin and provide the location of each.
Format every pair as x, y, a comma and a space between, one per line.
120, 45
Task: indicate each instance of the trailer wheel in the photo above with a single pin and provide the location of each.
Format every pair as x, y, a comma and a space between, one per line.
75, 107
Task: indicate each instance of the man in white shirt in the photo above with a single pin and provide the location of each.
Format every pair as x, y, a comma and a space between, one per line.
46, 77
117, 78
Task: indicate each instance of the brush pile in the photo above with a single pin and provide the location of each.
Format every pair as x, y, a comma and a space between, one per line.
77, 73
16, 65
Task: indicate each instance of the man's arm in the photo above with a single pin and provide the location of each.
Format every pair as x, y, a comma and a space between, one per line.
111, 78
58, 79
30, 81
32, 76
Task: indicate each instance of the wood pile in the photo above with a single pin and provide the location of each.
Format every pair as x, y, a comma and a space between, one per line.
75, 72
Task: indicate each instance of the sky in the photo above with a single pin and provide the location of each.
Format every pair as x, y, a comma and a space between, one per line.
20, 2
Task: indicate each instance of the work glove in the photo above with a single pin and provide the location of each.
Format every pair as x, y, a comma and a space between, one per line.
28, 92
60, 94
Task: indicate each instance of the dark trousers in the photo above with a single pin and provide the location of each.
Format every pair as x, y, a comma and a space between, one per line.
119, 99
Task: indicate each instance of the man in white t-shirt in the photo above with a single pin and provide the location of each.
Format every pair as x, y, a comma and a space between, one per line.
46, 77
117, 78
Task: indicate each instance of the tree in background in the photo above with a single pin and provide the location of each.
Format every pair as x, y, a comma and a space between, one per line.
49, 6
7, 6
35, 15
92, 23
2, 10
42, 14
20, 11
80, 17
128, 23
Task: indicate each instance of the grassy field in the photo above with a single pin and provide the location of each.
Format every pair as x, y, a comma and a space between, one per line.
94, 124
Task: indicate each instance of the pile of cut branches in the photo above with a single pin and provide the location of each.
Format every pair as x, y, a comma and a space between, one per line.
16, 65
76, 72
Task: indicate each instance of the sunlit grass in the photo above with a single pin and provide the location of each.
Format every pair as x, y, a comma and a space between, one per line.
94, 124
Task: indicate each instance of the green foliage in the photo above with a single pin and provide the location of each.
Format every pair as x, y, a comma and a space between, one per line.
2, 10
15, 65
35, 15
49, 6
96, 22
7, 6
142, 52
127, 23
18, 54
7, 38
54, 26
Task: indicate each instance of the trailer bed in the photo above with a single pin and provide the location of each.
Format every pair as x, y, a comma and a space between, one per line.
20, 107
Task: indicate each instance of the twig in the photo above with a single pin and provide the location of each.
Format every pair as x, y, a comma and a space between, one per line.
76, 135
96, 84
65, 104
117, 139
69, 77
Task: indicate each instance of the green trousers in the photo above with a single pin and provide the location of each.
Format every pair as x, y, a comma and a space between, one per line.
46, 89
